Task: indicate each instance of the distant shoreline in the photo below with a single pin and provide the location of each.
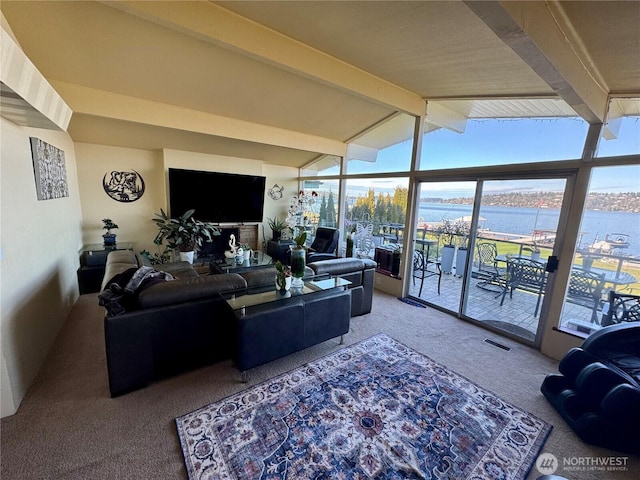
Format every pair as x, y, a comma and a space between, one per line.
607, 202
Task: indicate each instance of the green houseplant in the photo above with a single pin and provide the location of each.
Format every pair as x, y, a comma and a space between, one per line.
277, 226
283, 277
109, 238
184, 233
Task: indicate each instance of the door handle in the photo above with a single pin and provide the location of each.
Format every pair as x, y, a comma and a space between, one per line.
552, 264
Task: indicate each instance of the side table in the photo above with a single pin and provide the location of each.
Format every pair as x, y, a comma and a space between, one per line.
92, 265
277, 249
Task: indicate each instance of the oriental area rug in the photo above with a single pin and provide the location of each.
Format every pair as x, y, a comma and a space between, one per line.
376, 409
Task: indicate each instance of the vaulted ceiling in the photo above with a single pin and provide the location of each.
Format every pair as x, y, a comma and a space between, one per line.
285, 81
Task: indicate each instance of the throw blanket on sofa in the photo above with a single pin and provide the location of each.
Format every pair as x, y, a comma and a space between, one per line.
121, 293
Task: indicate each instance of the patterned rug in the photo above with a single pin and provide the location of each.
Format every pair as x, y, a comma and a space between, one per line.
375, 409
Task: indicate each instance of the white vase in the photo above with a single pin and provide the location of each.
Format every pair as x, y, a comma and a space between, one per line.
287, 284
186, 256
247, 255
446, 258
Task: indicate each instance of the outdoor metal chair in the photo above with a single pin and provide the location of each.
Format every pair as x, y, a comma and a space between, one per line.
525, 274
622, 308
585, 288
490, 274
423, 267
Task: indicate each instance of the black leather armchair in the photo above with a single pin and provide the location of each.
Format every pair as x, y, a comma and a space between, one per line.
324, 245
598, 389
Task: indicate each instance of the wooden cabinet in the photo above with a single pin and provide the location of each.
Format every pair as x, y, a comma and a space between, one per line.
248, 234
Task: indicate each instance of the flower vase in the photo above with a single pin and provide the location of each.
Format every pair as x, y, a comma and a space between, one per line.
247, 255
283, 284
297, 265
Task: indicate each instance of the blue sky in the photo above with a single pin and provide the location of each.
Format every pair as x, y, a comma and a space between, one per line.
501, 142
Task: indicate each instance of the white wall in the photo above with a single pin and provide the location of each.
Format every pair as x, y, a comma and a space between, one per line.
132, 218
40, 242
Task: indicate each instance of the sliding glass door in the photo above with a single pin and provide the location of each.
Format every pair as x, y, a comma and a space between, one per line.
490, 241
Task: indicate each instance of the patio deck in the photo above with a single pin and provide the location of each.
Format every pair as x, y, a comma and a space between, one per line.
514, 316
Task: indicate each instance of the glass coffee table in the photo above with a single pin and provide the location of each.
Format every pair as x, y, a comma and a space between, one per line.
267, 294
229, 265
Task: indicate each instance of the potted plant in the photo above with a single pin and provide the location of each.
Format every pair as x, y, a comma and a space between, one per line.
349, 252
109, 238
157, 258
246, 251
184, 233
277, 226
283, 277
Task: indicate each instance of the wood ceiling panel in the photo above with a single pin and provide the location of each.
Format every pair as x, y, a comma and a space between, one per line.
437, 49
610, 33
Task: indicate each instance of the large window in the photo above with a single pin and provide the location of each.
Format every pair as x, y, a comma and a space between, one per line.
326, 165
607, 256
383, 149
375, 213
504, 142
621, 132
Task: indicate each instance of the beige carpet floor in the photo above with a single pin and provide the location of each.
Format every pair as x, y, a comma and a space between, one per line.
68, 427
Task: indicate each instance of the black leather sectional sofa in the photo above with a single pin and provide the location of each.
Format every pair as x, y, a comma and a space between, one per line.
174, 326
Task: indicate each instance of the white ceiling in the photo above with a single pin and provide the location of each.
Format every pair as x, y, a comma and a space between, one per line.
295, 78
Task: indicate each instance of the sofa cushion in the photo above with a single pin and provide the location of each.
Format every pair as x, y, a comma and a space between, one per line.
190, 288
178, 269
122, 291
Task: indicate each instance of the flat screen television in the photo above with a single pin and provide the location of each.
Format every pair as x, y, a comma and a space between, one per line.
216, 197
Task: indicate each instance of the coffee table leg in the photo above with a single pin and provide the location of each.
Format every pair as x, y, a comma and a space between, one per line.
341, 339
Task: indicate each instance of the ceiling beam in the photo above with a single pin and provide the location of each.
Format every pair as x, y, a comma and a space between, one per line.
100, 103
214, 24
26, 98
542, 36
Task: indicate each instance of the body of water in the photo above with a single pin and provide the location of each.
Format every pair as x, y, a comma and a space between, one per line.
523, 221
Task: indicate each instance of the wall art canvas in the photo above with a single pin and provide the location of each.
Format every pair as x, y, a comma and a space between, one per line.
49, 169
123, 186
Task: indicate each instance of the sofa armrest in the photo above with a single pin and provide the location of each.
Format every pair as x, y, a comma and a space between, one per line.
318, 256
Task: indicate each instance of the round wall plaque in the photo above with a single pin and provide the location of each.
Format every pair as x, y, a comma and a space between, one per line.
123, 186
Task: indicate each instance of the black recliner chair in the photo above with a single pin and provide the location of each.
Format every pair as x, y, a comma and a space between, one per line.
324, 245
598, 389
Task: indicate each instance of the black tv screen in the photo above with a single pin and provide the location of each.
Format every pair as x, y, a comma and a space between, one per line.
216, 197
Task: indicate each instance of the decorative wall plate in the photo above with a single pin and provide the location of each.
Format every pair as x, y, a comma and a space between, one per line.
275, 192
123, 186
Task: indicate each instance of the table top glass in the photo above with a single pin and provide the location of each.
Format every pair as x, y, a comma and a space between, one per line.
100, 247
258, 260
261, 295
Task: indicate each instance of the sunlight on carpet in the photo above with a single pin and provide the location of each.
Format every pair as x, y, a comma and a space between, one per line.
374, 409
